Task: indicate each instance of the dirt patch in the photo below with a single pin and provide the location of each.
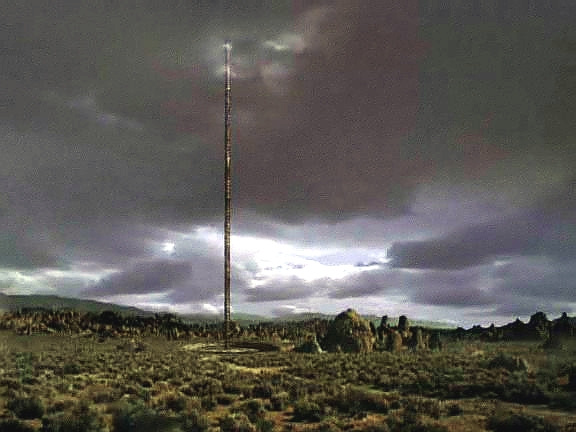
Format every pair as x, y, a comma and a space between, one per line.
256, 370
213, 348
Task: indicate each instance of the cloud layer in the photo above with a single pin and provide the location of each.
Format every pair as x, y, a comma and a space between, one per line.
362, 134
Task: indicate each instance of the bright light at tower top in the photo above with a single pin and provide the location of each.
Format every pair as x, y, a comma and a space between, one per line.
228, 45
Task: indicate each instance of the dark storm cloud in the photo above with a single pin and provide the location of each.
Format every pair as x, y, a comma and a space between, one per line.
182, 281
469, 247
539, 278
546, 228
512, 307
93, 73
111, 118
145, 278
432, 287
366, 283
461, 288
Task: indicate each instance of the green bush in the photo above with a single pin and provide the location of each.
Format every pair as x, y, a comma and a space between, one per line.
374, 428
563, 400
209, 403
176, 403
225, 399
354, 401
254, 409
520, 422
71, 369
306, 410
14, 425
278, 401
236, 423
455, 410
194, 421
128, 418
26, 408
263, 391
60, 405
82, 418
264, 425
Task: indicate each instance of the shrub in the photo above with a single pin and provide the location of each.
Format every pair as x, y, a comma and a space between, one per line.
520, 422
128, 418
194, 421
236, 423
14, 425
278, 401
71, 369
306, 410
508, 362
520, 390
374, 428
564, 401
225, 399
60, 405
572, 377
175, 402
264, 425
454, 410
82, 418
26, 408
206, 387
263, 391
356, 401
254, 409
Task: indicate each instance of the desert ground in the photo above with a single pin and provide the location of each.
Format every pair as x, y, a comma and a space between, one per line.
70, 383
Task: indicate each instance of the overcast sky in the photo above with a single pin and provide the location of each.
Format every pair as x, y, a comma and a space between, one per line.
387, 156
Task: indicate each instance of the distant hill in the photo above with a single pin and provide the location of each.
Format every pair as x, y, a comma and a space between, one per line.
14, 302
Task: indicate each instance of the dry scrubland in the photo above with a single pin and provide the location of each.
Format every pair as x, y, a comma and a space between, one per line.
66, 383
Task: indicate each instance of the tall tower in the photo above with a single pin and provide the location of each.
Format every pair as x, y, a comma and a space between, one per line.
227, 192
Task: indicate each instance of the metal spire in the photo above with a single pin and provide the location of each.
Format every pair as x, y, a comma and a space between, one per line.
227, 192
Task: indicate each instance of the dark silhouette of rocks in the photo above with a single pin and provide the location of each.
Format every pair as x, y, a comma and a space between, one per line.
348, 330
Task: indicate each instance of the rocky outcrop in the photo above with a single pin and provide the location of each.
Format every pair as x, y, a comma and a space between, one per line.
435, 343
309, 347
417, 340
349, 331
394, 341
404, 327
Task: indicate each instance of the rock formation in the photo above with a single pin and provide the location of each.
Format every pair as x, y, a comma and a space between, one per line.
351, 332
394, 341
435, 343
309, 347
417, 340
404, 329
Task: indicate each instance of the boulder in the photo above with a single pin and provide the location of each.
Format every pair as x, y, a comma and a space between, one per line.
404, 328
351, 332
393, 341
417, 340
309, 347
539, 325
563, 327
435, 343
